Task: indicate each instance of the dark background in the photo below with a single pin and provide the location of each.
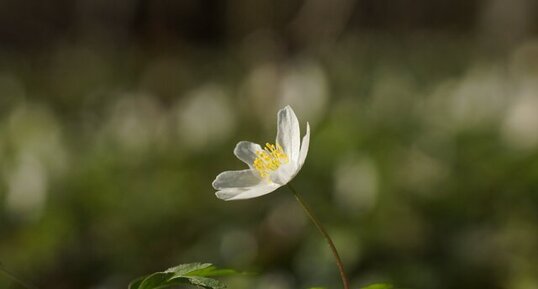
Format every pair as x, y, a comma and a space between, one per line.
115, 116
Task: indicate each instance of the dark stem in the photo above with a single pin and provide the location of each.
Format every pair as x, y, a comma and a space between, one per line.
320, 228
15, 278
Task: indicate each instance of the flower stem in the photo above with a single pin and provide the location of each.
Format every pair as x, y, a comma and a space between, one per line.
322, 230
15, 278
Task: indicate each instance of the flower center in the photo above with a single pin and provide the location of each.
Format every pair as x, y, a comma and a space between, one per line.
269, 159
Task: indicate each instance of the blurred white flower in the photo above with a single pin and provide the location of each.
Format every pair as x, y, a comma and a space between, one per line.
204, 117
521, 123
136, 122
356, 183
37, 154
270, 167
27, 184
302, 84
305, 87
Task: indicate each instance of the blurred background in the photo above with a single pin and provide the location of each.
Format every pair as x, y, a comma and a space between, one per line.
115, 117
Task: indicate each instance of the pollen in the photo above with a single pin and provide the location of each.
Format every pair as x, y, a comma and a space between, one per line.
269, 159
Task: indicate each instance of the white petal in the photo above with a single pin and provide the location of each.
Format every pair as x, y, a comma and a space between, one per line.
288, 135
304, 147
226, 194
236, 179
241, 194
284, 173
246, 151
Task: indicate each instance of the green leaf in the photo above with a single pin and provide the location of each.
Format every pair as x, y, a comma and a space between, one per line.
152, 281
379, 286
206, 282
185, 274
185, 269
212, 271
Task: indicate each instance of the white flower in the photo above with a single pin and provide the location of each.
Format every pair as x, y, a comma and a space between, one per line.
270, 167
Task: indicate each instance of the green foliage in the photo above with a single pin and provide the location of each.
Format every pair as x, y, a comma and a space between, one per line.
379, 286
371, 286
422, 130
196, 274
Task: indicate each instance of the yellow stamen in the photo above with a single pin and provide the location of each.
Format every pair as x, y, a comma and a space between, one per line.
269, 159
